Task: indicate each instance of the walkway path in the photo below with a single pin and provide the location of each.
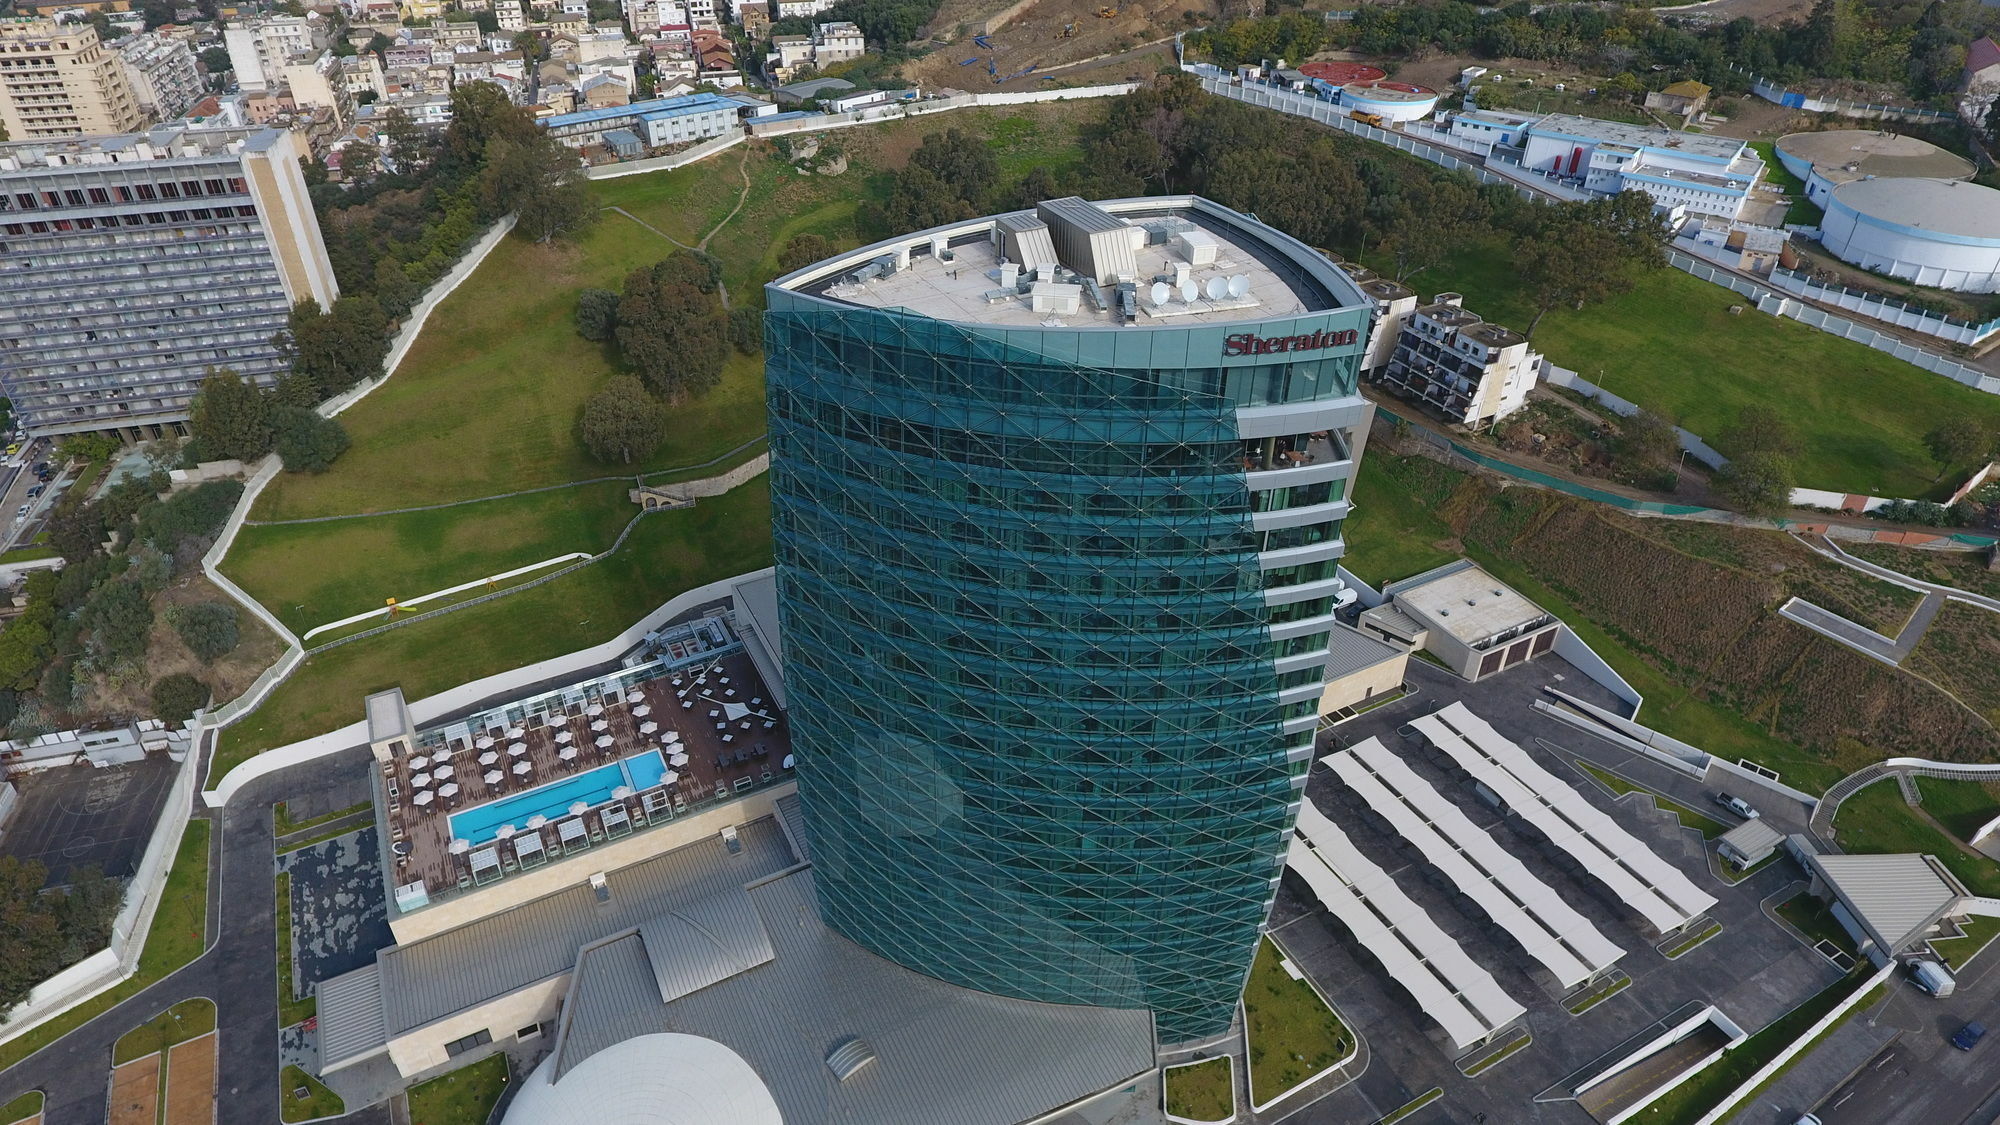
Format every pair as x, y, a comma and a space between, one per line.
1889, 650
1833, 551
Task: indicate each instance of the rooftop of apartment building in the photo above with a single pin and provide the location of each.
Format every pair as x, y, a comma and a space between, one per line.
512, 787
165, 142
1463, 600
1148, 263
1377, 287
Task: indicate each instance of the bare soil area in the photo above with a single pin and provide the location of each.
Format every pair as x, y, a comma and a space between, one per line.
135, 1092
1035, 37
191, 1082
128, 693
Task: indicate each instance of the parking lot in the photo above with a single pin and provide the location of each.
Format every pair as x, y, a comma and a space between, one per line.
75, 816
1754, 971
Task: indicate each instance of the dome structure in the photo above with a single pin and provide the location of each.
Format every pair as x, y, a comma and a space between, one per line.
658, 1079
1940, 233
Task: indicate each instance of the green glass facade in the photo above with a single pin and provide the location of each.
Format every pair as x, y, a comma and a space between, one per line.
1048, 736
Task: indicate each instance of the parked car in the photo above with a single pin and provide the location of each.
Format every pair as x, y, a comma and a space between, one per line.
1737, 805
22, 513
1807, 1119
35, 491
1969, 1036
41, 467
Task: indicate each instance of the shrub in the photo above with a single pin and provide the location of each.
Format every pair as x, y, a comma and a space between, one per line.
307, 442
211, 630
197, 513
177, 697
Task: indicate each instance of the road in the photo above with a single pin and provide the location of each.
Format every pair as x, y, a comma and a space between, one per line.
1921, 1079
238, 970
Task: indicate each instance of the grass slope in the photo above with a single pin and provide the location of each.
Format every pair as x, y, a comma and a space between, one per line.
1203, 1091
1291, 1033
1672, 346
318, 1101
1876, 820
463, 1097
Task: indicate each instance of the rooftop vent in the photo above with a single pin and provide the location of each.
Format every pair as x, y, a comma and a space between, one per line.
599, 887
849, 1057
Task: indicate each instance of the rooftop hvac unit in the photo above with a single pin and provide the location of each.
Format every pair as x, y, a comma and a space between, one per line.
1196, 246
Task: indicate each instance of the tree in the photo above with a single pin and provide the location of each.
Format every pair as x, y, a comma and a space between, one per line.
961, 161
229, 418
541, 181
178, 696
1759, 482
209, 629
1761, 429
746, 329
119, 619
803, 250
394, 289
669, 331
1956, 442
622, 423
534, 49
403, 140
86, 911
30, 932
335, 349
1647, 439
1038, 185
358, 161
597, 314
307, 442
215, 60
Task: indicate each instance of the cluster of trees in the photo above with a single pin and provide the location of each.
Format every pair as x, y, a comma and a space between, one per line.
1762, 448
669, 329
951, 176
231, 418
887, 24
44, 932
411, 202
95, 617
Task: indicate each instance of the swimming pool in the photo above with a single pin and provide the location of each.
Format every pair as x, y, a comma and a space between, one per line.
593, 787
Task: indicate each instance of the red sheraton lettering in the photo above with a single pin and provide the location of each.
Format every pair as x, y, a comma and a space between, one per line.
1246, 343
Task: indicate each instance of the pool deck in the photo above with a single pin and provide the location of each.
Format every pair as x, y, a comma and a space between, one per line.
420, 835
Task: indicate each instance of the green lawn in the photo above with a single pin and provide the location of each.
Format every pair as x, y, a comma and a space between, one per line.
1802, 211
1391, 535
668, 553
1705, 1090
1877, 820
21, 1108
310, 574
1708, 826
177, 1024
463, 1097
1203, 1091
290, 1010
318, 1101
1979, 930
1963, 807
177, 936
1292, 1034
1811, 916
1672, 346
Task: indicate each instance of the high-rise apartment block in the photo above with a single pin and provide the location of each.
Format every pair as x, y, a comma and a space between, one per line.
1469, 370
162, 73
131, 265
259, 48
1058, 499
59, 80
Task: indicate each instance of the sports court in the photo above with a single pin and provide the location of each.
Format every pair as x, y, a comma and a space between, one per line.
75, 816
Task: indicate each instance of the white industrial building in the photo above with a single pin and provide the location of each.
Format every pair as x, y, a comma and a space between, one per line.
1706, 175
1464, 368
1393, 102
1940, 233
1838, 156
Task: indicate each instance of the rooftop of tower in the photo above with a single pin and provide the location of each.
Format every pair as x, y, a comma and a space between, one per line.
1164, 262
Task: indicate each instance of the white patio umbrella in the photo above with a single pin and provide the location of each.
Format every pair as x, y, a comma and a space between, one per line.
601, 725
604, 740
448, 789
424, 798
461, 846
419, 762
420, 779
520, 769
514, 731
678, 758
567, 753
594, 710
489, 758
622, 792
506, 832
670, 777
578, 808
634, 695
517, 748
494, 777
443, 753
642, 710
536, 821
484, 742
648, 727
564, 736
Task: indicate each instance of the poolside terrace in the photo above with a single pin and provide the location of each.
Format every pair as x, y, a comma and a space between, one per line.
515, 787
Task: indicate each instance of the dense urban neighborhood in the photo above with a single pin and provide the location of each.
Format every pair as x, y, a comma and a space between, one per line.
915, 561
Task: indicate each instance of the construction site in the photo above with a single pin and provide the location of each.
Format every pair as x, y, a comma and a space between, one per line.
1038, 44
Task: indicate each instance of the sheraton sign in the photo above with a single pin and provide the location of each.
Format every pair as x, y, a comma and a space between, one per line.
1249, 343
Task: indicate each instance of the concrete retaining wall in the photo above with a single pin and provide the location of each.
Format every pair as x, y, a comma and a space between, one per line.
681, 159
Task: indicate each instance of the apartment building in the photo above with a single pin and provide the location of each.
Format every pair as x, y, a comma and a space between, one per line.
136, 263
162, 74
829, 43
59, 80
1460, 366
260, 48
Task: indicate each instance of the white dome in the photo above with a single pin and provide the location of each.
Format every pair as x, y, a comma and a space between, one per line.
660, 1079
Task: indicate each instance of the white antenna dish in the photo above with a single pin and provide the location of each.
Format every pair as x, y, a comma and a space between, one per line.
1217, 288
1239, 285
1159, 293
1189, 291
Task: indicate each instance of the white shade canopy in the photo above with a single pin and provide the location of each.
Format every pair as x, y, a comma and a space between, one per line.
600, 725
443, 753
605, 740
536, 821
461, 846
514, 731
564, 736
678, 759
517, 748
567, 753
634, 695
788, 761
578, 808
648, 727
622, 792
424, 798
448, 789
489, 758
670, 777
494, 777
520, 769
594, 710
642, 710
420, 762
420, 779
506, 832
484, 742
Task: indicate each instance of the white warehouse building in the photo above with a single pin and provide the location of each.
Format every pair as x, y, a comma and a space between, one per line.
1707, 175
1940, 233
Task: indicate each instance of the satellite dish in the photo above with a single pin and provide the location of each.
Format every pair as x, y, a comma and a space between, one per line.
1217, 288
1159, 293
1239, 285
1189, 291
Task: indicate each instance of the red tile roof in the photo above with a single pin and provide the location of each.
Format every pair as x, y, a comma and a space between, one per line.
1983, 53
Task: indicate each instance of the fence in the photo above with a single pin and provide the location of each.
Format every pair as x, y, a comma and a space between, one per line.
921, 107
1794, 99
1570, 380
1778, 304
1888, 310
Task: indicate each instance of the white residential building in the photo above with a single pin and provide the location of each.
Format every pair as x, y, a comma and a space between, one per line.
510, 15
1465, 369
319, 81
786, 9
162, 74
259, 48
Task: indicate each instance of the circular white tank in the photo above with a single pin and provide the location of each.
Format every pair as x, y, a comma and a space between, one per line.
1940, 233
1827, 159
1391, 101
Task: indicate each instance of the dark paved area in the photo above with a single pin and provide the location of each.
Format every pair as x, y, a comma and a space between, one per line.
339, 915
1754, 971
75, 816
318, 801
